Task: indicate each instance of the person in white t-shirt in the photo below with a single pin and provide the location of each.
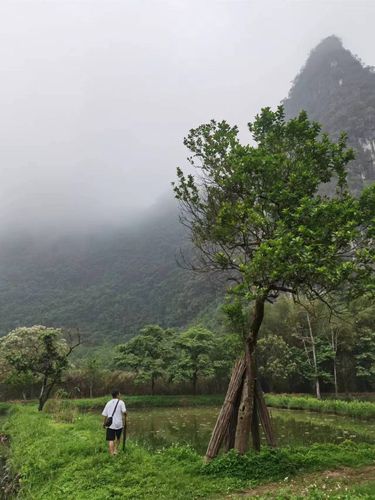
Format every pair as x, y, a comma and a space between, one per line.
115, 409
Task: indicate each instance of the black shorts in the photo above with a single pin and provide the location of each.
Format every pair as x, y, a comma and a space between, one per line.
113, 434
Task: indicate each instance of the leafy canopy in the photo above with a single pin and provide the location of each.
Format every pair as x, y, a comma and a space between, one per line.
146, 354
36, 350
255, 211
195, 354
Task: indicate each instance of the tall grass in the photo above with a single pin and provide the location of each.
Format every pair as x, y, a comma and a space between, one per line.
357, 409
70, 461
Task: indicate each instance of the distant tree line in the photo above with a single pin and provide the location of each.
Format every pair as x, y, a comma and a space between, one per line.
302, 348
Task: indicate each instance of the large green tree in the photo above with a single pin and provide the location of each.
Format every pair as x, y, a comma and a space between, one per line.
255, 212
40, 352
147, 354
196, 355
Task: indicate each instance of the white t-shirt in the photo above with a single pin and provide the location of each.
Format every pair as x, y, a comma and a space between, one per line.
117, 416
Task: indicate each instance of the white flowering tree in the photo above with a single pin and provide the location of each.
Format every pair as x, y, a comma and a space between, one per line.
39, 351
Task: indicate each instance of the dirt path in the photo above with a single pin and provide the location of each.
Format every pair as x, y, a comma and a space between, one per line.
331, 481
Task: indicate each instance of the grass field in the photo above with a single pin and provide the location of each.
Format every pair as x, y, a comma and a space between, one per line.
63, 460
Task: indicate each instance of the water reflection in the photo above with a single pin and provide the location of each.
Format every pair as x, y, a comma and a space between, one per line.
156, 428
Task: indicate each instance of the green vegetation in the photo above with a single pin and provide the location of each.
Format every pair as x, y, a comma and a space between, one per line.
191, 355
294, 336
109, 284
148, 355
70, 461
255, 214
357, 409
39, 353
290, 336
200, 354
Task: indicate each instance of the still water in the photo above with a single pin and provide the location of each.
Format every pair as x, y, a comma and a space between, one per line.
156, 428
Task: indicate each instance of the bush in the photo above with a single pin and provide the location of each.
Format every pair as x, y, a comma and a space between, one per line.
62, 410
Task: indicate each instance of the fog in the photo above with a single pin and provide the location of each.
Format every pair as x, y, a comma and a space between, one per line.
97, 95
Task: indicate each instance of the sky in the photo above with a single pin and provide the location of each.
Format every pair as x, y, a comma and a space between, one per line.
97, 95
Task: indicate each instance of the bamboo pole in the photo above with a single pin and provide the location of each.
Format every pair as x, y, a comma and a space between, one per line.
222, 422
264, 416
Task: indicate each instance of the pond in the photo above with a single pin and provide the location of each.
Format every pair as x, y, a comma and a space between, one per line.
156, 428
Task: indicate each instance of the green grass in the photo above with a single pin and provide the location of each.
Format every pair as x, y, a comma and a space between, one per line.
70, 461
365, 490
357, 409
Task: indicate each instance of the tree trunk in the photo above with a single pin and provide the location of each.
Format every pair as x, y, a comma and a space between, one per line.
334, 350
152, 384
242, 387
317, 389
195, 380
241, 442
223, 419
42, 399
317, 383
91, 391
245, 414
335, 377
45, 392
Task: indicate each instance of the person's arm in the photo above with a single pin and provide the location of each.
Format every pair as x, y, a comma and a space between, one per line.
105, 414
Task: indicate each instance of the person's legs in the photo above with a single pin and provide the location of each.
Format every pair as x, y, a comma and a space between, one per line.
111, 447
117, 441
111, 437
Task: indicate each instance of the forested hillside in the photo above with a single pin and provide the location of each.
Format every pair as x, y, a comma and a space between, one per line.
113, 282
108, 284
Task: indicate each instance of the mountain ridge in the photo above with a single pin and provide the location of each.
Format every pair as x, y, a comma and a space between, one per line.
336, 89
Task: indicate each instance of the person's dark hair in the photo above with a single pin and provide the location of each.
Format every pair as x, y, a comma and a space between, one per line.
115, 393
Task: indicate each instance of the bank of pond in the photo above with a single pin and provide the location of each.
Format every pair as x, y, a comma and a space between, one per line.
61, 453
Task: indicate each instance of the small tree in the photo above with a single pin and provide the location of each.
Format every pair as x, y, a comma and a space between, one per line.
92, 371
256, 214
41, 352
146, 354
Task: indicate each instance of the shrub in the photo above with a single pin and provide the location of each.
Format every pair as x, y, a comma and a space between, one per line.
62, 410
